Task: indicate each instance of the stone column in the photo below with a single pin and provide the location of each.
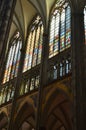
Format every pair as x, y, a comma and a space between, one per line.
5, 23
42, 128
79, 70
43, 81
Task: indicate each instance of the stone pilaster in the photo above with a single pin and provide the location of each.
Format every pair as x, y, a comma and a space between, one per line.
78, 70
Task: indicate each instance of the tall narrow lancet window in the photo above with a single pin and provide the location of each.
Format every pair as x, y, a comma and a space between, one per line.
85, 22
60, 28
34, 45
13, 58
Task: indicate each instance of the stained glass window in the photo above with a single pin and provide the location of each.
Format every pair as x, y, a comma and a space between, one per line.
13, 59
60, 28
85, 22
34, 45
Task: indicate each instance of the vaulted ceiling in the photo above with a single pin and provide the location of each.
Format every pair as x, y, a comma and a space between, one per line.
25, 10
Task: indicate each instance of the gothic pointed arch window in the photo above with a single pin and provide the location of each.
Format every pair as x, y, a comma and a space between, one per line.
85, 22
13, 59
34, 44
60, 28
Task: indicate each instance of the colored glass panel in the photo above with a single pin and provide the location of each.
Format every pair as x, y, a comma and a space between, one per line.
32, 48
56, 34
27, 64
62, 31
40, 45
68, 26
35, 51
51, 36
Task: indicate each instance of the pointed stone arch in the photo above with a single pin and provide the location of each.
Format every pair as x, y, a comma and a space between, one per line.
3, 120
58, 109
26, 114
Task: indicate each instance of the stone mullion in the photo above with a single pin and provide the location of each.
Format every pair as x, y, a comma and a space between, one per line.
5, 28
78, 67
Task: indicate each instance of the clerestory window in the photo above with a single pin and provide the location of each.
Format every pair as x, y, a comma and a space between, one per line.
60, 28
34, 45
13, 59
